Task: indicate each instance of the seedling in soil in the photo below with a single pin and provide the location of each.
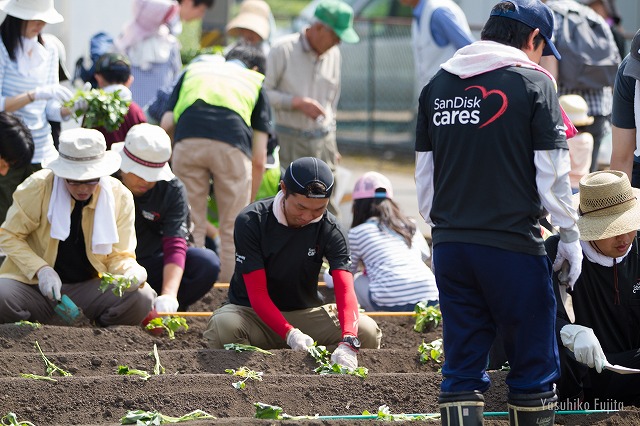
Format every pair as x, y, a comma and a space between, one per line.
119, 283
273, 412
431, 351
50, 366
24, 323
427, 317
141, 417
239, 347
384, 414
103, 109
11, 419
246, 374
124, 370
36, 377
171, 324
157, 368
323, 357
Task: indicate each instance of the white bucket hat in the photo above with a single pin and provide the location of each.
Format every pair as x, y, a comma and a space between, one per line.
253, 15
607, 205
32, 10
576, 108
145, 152
83, 156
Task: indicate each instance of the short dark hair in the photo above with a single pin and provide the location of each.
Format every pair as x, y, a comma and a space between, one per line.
16, 142
251, 56
508, 31
115, 68
197, 3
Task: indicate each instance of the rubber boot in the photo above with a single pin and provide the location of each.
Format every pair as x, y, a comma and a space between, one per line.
534, 409
461, 408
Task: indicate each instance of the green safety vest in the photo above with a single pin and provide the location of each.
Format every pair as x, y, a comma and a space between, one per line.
220, 84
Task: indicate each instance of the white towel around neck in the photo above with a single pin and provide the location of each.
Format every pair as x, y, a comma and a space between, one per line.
105, 231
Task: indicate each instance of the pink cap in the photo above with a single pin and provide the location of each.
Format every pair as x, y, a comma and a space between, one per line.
372, 185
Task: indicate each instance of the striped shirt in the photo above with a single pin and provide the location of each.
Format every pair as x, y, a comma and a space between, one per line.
35, 115
397, 273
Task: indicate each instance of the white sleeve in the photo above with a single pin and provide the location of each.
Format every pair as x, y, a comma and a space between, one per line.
554, 189
424, 184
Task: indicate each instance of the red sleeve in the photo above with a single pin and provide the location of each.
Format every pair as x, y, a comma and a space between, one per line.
256, 283
346, 300
174, 250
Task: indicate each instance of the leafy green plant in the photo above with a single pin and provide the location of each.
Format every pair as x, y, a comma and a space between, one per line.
431, 351
37, 377
103, 109
323, 358
24, 323
11, 419
273, 412
126, 371
157, 368
384, 414
119, 283
246, 374
239, 347
171, 324
427, 317
141, 417
50, 366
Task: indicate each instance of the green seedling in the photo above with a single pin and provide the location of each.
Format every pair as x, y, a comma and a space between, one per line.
273, 412
239, 347
427, 317
141, 417
384, 414
431, 351
11, 419
323, 358
24, 323
157, 368
171, 324
50, 366
126, 371
119, 283
104, 109
246, 374
36, 377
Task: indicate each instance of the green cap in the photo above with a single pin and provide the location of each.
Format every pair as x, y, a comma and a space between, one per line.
338, 16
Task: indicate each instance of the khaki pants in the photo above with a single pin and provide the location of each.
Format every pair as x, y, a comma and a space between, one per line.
195, 160
20, 301
240, 324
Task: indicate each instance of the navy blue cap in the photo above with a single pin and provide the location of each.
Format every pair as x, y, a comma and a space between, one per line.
304, 171
535, 14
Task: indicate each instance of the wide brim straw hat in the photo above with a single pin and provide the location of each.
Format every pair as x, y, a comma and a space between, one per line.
254, 16
607, 205
32, 10
83, 155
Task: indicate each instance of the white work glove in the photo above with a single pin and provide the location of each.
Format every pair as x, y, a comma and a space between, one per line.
166, 303
572, 253
52, 91
345, 356
298, 341
49, 283
584, 344
139, 273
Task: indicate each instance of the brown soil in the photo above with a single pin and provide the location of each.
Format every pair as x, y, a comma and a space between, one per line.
195, 377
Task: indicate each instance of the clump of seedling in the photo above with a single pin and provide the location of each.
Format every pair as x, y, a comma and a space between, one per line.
246, 374
239, 347
141, 417
104, 109
427, 317
119, 283
323, 358
170, 324
384, 414
431, 351
126, 371
24, 323
274, 412
11, 419
50, 367
157, 368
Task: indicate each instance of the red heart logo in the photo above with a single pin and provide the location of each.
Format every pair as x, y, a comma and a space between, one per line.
486, 93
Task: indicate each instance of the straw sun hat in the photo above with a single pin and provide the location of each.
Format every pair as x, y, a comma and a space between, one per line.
607, 205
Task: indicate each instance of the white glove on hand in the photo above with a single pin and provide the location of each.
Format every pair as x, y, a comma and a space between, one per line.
52, 91
298, 341
572, 253
345, 356
49, 283
138, 273
166, 303
584, 344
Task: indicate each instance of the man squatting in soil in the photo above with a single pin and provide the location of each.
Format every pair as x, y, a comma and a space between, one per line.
486, 171
273, 294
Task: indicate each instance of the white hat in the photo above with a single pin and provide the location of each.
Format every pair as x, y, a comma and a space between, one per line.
83, 155
576, 108
145, 152
254, 16
32, 10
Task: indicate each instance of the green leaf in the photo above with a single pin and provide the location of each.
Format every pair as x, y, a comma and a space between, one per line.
11, 419
125, 370
36, 377
24, 323
239, 347
170, 324
427, 317
50, 367
266, 411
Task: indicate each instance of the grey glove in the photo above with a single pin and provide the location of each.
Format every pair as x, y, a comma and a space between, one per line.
298, 341
345, 356
49, 283
52, 91
584, 344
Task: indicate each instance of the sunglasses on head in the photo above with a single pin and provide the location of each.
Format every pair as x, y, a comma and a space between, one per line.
91, 182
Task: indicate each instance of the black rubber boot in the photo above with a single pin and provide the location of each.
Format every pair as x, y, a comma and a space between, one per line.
461, 408
534, 409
